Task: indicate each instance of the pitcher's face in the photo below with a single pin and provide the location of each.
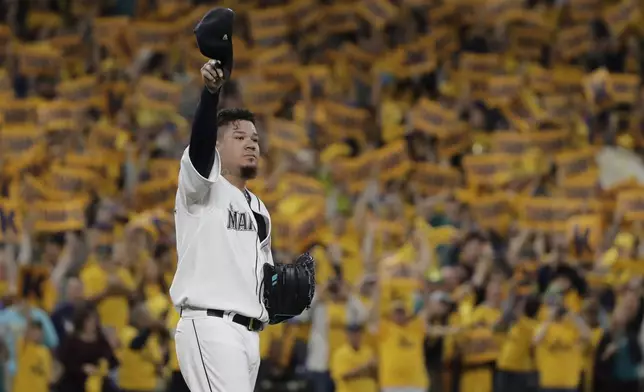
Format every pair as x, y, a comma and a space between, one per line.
239, 149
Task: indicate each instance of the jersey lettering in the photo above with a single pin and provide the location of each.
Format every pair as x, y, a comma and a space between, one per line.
38, 369
560, 346
239, 220
404, 342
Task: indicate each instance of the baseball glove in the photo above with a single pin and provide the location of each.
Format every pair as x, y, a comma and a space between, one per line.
289, 288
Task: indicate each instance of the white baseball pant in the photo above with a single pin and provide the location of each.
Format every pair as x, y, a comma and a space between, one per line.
215, 354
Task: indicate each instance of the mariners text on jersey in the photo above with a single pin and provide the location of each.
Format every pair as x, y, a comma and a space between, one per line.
240, 221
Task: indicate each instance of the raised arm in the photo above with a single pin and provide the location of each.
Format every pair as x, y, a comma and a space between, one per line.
199, 164
541, 332
585, 333
50, 337
204, 133
65, 260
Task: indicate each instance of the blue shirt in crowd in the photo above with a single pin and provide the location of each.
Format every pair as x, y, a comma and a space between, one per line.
13, 325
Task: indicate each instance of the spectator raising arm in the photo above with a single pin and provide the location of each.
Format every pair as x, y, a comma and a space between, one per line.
508, 315
374, 312
541, 333
50, 337
8, 262
65, 259
425, 254
585, 332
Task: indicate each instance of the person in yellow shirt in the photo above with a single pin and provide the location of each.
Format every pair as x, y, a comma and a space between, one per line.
365, 292
109, 286
141, 356
515, 364
559, 344
333, 308
337, 305
401, 365
353, 366
34, 360
590, 313
58, 250
478, 346
441, 317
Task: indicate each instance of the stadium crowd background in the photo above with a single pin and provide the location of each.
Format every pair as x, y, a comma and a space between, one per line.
466, 172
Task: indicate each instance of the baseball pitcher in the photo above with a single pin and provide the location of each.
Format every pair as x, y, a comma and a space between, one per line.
226, 287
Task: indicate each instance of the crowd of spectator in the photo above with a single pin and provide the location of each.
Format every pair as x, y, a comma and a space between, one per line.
467, 174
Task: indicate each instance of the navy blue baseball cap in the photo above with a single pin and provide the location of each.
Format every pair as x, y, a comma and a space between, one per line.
214, 34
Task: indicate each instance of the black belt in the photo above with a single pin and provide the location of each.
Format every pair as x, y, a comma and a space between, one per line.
251, 324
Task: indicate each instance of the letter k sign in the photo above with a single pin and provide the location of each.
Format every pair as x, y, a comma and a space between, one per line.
8, 221
581, 241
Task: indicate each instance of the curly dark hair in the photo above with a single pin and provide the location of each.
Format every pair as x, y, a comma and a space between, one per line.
227, 116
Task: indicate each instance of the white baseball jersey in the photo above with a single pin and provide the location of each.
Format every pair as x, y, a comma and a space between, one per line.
220, 256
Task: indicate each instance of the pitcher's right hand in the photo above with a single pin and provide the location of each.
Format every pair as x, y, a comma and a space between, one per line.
213, 75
